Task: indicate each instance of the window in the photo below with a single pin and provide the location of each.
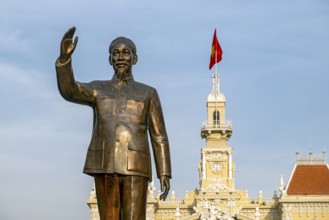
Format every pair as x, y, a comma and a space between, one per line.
216, 118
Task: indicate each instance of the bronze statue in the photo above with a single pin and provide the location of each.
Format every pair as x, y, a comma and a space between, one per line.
118, 155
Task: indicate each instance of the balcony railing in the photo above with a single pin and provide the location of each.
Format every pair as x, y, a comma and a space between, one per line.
216, 125
311, 159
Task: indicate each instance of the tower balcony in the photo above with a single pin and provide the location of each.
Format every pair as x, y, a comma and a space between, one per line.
222, 128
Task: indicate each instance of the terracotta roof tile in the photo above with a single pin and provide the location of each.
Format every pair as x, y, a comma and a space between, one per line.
309, 180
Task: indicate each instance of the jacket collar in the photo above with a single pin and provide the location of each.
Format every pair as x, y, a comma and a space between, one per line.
118, 82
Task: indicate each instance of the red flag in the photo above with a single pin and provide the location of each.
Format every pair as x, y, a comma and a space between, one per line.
216, 52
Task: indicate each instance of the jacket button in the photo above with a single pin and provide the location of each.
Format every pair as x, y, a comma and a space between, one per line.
120, 110
117, 140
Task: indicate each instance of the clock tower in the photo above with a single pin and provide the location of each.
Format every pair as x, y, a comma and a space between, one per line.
216, 169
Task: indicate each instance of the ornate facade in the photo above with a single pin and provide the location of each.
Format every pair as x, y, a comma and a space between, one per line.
217, 198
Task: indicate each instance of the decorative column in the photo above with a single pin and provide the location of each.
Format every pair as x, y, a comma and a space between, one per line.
203, 165
230, 165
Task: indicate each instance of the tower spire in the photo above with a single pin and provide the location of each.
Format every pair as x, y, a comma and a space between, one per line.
215, 84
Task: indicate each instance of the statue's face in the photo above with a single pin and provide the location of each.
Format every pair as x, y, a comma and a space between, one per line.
122, 58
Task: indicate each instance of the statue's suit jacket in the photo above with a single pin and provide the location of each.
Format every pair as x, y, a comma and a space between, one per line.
122, 115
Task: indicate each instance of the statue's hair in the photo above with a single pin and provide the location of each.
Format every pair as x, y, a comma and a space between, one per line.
129, 42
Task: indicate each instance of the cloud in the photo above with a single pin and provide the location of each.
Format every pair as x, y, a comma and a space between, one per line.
12, 41
43, 144
15, 77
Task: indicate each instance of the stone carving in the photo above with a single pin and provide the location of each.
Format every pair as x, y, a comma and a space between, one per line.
287, 212
212, 212
216, 156
151, 188
217, 188
177, 214
94, 215
257, 214
150, 212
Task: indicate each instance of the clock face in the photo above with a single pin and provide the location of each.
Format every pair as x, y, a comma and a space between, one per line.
216, 167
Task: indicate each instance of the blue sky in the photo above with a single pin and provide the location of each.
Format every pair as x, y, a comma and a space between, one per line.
274, 74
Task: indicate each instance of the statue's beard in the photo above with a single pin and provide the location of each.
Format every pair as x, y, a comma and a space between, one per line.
121, 74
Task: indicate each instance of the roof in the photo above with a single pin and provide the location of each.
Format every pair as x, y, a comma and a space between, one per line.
309, 180
216, 97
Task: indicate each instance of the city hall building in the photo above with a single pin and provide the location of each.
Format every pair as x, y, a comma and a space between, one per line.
304, 197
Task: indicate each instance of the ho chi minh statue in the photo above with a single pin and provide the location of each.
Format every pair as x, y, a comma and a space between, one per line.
124, 110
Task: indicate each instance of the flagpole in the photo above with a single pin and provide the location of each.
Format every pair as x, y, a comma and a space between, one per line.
216, 63
216, 54
216, 80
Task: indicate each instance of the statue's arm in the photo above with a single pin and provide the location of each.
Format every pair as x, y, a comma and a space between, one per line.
70, 89
160, 144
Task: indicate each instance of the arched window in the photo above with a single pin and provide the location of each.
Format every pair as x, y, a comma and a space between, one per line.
216, 118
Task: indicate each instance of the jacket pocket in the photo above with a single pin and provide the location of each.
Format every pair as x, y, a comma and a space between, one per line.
138, 161
135, 107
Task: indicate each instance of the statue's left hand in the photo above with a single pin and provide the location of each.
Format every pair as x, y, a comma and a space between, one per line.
165, 186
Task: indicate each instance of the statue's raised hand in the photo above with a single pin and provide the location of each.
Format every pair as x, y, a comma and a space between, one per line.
67, 45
